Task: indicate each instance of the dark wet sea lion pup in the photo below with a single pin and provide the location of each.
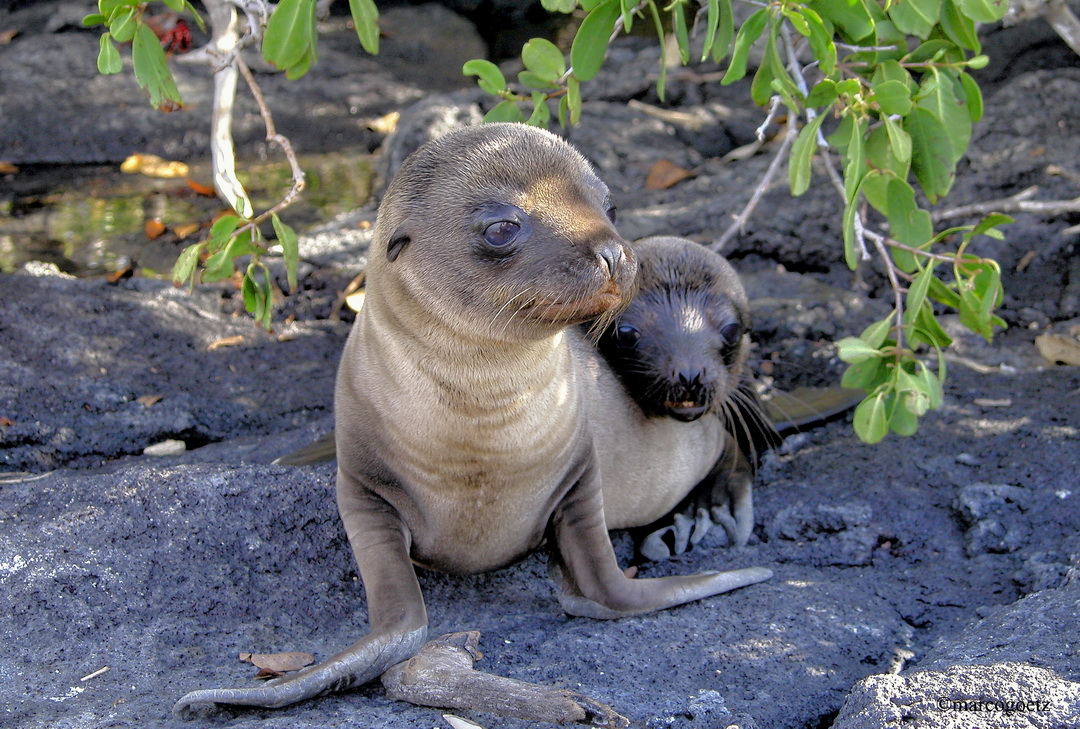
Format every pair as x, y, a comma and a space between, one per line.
473, 418
680, 347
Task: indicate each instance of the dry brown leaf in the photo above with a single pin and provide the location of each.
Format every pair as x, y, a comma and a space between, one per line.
664, 174
6, 168
200, 189
385, 124
153, 166
1056, 348
148, 400
278, 663
6, 36
6, 422
120, 275
185, 229
153, 228
226, 342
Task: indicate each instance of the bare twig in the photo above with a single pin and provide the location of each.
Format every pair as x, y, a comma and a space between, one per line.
280, 140
1018, 203
766, 181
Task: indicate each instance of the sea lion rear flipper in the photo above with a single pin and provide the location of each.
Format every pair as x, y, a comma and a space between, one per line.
396, 614
592, 584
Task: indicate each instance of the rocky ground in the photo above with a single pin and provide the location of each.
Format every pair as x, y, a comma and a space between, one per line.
931, 581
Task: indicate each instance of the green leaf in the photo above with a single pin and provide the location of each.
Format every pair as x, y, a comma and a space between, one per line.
870, 422
890, 70
916, 294
984, 11
851, 18
958, 28
874, 335
712, 23
151, 71
824, 92
931, 153
573, 98
802, 151
973, 95
505, 111
290, 249
727, 31
123, 26
893, 97
899, 141
822, 44
533, 81
977, 62
93, 19
545, 60
926, 328
591, 42
916, 17
903, 412
749, 32
907, 223
365, 17
302, 66
682, 36
195, 15
854, 350
855, 160
541, 114
108, 60
931, 50
221, 232
489, 77
559, 6
252, 294
184, 268
867, 375
761, 88
938, 95
940, 292
842, 135
177, 5
931, 385
289, 32
627, 9
564, 111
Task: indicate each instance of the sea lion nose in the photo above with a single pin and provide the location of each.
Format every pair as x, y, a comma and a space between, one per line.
612, 256
690, 377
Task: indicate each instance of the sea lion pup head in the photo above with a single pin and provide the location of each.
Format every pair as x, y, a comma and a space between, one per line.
498, 232
680, 346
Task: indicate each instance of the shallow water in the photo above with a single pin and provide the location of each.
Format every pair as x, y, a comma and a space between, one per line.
91, 220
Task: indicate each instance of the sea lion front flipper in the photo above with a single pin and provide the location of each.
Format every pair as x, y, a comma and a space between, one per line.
396, 614
591, 583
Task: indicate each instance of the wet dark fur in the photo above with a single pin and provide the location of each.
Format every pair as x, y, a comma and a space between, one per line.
680, 346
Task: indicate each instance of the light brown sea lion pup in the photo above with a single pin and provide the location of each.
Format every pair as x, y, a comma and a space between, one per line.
473, 418
681, 348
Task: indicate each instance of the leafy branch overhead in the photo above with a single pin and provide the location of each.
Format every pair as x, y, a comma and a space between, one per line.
288, 38
889, 82
877, 91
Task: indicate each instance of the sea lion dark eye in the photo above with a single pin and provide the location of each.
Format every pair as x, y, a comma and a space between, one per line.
500, 234
626, 335
611, 213
731, 333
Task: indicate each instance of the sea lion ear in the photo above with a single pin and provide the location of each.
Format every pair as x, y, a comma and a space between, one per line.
398, 241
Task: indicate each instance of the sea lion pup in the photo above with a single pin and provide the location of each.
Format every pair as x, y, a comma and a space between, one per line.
473, 418
680, 347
